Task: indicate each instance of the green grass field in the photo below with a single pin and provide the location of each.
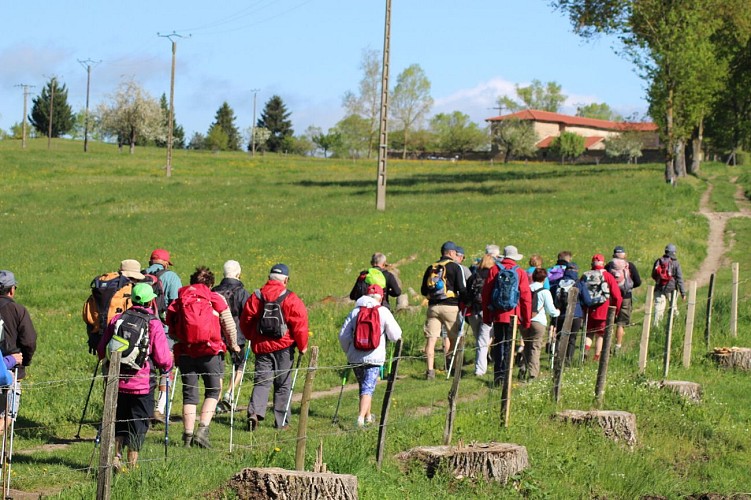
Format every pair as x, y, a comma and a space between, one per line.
68, 216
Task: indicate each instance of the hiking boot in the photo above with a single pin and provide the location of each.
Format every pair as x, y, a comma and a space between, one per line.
187, 439
252, 423
360, 424
158, 418
430, 375
225, 405
201, 437
370, 419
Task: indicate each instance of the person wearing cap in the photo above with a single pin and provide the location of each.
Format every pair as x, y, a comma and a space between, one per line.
274, 356
391, 288
135, 397
19, 339
473, 300
501, 320
597, 315
665, 288
619, 265
367, 364
443, 303
234, 292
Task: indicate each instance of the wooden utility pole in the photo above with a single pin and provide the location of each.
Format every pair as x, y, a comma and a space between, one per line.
253, 125
52, 109
25, 88
383, 140
302, 431
171, 119
87, 64
107, 449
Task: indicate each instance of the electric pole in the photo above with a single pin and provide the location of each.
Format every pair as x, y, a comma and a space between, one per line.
170, 122
87, 64
253, 126
383, 143
25, 88
52, 108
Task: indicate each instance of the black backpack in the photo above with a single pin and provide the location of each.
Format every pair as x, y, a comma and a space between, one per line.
233, 296
272, 323
474, 289
131, 337
160, 302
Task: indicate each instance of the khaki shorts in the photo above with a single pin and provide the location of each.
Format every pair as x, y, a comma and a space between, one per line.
624, 317
441, 315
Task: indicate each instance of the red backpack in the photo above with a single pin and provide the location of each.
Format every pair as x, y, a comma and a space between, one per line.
368, 329
197, 320
663, 271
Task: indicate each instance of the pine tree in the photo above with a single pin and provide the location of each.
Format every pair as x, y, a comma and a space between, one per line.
62, 115
275, 118
178, 133
225, 119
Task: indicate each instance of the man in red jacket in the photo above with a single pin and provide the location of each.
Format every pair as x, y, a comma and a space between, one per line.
275, 321
501, 319
597, 315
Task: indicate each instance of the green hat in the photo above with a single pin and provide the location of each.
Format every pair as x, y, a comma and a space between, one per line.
143, 293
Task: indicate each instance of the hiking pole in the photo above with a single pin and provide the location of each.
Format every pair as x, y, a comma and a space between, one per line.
166, 418
291, 389
456, 344
174, 384
551, 341
584, 337
14, 414
242, 377
232, 410
335, 420
5, 434
86, 404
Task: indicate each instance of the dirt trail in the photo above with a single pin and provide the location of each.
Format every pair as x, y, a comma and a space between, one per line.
716, 249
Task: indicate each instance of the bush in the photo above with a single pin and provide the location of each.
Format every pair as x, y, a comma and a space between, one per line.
742, 158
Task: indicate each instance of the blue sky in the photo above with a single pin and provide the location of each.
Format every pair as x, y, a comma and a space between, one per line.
306, 51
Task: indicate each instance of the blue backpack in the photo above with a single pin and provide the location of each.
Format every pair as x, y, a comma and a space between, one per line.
505, 296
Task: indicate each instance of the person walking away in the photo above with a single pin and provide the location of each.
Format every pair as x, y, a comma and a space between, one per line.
627, 276
363, 339
542, 306
502, 299
443, 284
169, 284
668, 277
535, 261
234, 292
139, 334
599, 291
480, 329
275, 321
370, 276
559, 290
18, 337
201, 323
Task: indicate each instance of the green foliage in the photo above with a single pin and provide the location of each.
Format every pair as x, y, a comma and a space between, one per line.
567, 145
275, 119
178, 133
742, 158
131, 115
216, 139
455, 133
353, 137
410, 102
599, 111
198, 141
62, 114
627, 145
225, 120
537, 96
514, 138
326, 142
367, 103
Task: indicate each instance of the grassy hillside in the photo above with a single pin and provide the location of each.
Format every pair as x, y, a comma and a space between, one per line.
68, 216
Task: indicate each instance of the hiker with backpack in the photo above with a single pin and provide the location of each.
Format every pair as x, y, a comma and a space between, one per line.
506, 293
668, 277
443, 284
139, 334
627, 276
377, 274
598, 291
535, 262
166, 284
559, 290
275, 321
201, 322
17, 338
234, 292
363, 339
473, 301
542, 307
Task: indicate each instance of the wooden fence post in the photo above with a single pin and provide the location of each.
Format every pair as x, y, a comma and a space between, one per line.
387, 403
710, 298
302, 426
454, 392
106, 451
646, 325
602, 369
506, 390
562, 352
690, 314
734, 302
669, 334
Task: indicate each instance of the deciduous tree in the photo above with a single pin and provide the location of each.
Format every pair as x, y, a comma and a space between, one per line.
598, 111
353, 133
130, 115
514, 138
62, 115
456, 133
568, 145
537, 96
411, 101
367, 102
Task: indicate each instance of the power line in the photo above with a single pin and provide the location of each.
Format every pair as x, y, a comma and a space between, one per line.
87, 65
170, 123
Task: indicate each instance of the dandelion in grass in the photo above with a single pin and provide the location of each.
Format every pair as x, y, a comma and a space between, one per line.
277, 450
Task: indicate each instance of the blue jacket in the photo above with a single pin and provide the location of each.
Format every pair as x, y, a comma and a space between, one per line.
6, 376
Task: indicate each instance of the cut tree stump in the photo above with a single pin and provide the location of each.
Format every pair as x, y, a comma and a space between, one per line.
492, 461
689, 390
732, 357
620, 426
274, 482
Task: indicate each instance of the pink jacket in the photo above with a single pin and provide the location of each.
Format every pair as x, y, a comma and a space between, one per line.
160, 354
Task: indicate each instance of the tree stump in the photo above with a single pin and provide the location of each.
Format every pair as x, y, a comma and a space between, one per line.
617, 425
689, 390
493, 461
262, 483
732, 357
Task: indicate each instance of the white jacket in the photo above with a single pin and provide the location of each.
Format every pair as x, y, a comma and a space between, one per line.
390, 330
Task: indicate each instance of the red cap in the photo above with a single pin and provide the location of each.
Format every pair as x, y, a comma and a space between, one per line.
374, 290
161, 254
598, 257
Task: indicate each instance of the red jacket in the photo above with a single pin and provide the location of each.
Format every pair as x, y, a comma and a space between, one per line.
601, 312
523, 310
295, 315
215, 345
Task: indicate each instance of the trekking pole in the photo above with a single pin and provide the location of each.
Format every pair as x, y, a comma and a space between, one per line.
174, 384
5, 434
584, 337
456, 344
86, 404
232, 410
551, 340
335, 420
166, 418
242, 377
291, 389
97, 440
11, 408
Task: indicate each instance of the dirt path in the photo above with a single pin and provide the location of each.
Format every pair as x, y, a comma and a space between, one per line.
716, 249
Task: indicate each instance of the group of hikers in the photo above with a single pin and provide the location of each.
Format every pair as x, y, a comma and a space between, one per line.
161, 328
